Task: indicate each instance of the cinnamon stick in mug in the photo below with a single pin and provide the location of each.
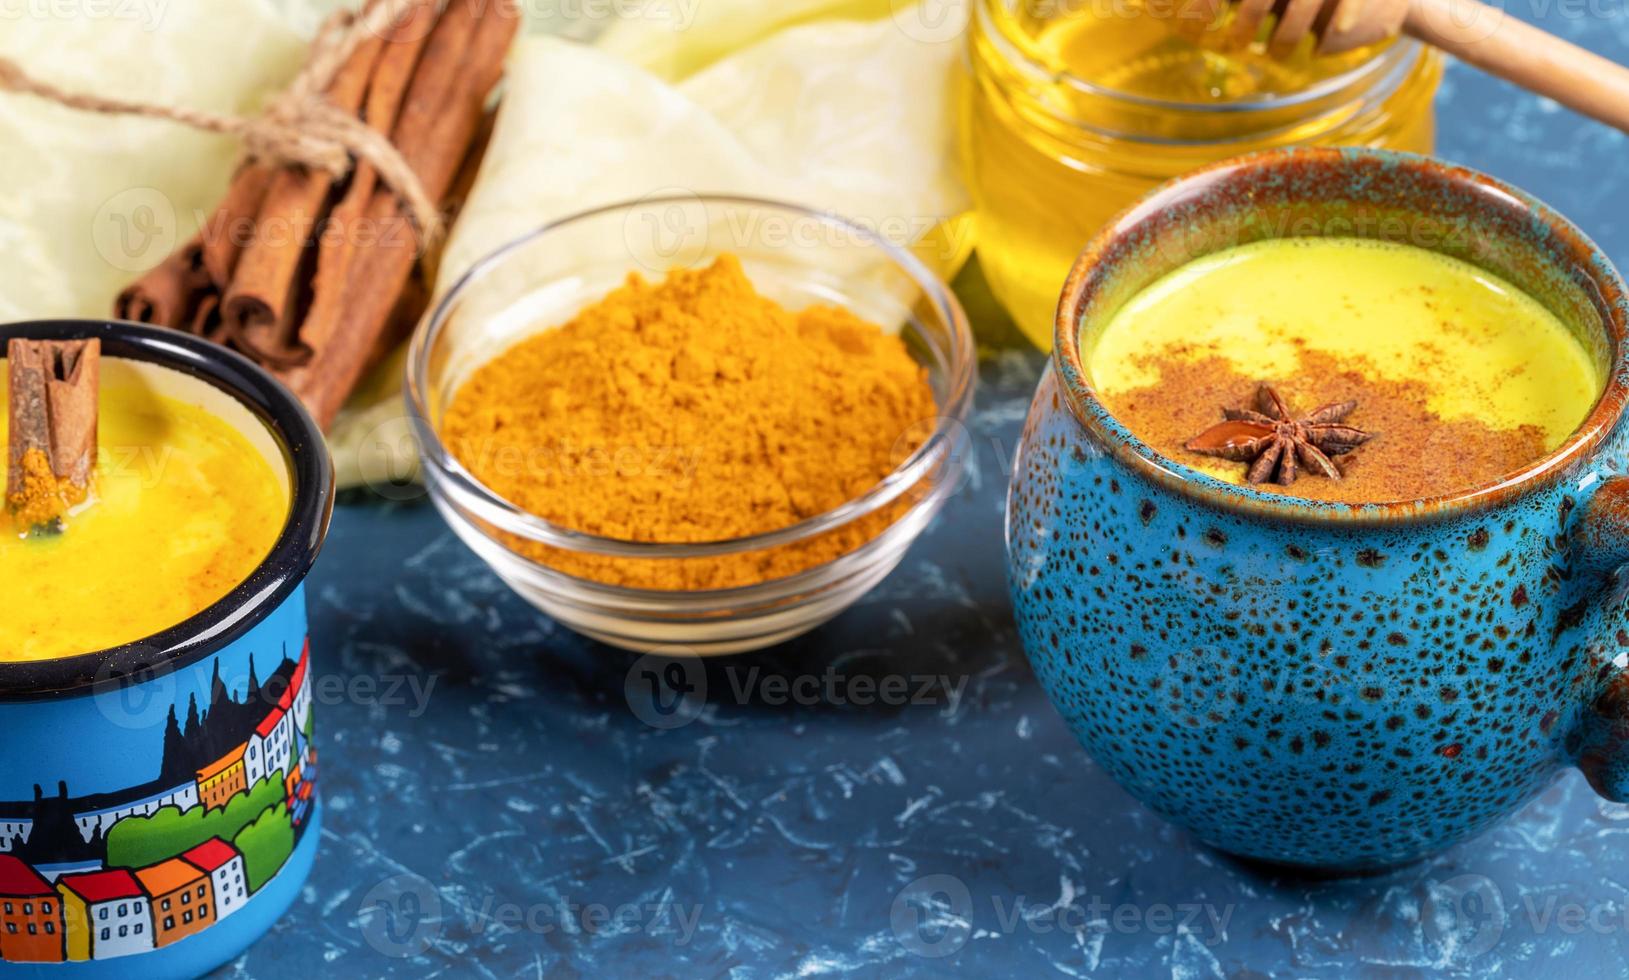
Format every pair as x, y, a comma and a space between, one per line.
51, 426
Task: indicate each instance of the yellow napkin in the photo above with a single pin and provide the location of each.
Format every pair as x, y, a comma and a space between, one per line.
93, 201
674, 39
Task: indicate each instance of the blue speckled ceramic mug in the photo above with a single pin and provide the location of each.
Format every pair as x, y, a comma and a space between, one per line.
1320, 684
157, 800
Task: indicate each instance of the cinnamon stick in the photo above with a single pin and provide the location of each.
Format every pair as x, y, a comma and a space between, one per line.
206, 317
166, 295
259, 312
326, 281
347, 232
463, 183
418, 292
54, 389
172, 293
443, 112
231, 227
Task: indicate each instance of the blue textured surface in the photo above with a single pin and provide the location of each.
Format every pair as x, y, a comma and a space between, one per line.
788, 831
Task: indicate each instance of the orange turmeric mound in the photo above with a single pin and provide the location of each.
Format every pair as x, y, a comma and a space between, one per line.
694, 410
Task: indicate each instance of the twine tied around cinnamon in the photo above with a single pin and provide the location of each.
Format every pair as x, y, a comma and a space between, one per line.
300, 127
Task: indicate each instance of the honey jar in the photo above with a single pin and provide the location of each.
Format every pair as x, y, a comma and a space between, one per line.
1078, 107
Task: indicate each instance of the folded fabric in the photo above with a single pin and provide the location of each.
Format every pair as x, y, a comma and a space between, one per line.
854, 117
674, 39
92, 201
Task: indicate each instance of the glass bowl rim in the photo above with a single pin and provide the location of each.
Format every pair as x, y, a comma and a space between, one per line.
481, 503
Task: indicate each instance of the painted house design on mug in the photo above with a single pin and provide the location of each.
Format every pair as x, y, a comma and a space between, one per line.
117, 873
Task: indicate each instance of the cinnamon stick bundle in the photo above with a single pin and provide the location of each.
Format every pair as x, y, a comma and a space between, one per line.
348, 230
258, 309
440, 118
52, 409
309, 276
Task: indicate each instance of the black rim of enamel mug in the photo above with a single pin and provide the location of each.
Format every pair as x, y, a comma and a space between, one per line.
273, 580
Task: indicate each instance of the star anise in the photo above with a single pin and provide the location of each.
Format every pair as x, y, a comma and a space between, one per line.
1276, 443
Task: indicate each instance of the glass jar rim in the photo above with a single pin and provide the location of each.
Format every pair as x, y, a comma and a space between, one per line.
1389, 64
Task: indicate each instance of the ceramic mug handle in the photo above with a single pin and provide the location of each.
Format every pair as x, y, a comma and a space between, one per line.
1602, 547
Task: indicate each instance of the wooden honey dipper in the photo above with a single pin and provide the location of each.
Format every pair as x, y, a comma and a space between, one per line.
1478, 34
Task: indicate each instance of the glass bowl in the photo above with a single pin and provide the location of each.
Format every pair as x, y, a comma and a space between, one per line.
796, 256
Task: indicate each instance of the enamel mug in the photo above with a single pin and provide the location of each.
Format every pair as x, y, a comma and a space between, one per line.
157, 800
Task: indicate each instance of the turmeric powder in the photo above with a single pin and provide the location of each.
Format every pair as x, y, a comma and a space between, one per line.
694, 410
39, 499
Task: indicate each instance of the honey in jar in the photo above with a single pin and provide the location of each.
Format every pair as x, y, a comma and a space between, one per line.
1079, 107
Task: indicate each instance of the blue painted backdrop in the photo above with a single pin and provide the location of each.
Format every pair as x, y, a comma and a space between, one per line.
495, 807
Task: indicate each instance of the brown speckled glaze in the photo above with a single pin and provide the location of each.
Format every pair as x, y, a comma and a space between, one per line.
1328, 684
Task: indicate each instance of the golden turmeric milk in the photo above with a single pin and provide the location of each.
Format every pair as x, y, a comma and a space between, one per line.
183, 507
1460, 376
1079, 107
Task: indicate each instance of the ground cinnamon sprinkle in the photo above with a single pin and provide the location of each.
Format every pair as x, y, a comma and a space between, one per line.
1413, 454
694, 410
